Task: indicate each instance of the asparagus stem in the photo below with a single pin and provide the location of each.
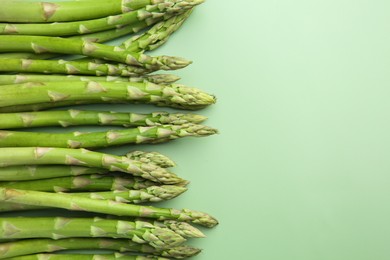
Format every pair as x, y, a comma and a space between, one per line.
43, 44
160, 32
148, 14
99, 37
82, 157
72, 202
59, 227
85, 257
173, 95
77, 117
42, 12
90, 182
41, 245
149, 194
71, 67
37, 172
138, 135
24, 78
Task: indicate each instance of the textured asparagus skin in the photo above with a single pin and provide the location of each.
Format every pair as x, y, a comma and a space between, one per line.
71, 67
43, 44
43, 12
77, 117
82, 157
149, 194
146, 14
41, 245
151, 157
59, 227
138, 135
85, 257
37, 172
89, 182
99, 37
24, 78
159, 32
55, 93
73, 202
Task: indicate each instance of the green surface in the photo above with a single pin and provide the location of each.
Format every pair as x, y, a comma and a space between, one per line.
300, 168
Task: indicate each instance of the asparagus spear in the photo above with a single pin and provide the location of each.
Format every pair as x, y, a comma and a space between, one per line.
77, 117
41, 12
71, 67
85, 257
138, 135
88, 182
82, 157
43, 44
149, 194
24, 78
160, 32
37, 172
40, 245
148, 14
73, 202
100, 37
59, 227
173, 95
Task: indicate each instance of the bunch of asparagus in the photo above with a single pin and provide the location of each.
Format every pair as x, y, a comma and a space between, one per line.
106, 198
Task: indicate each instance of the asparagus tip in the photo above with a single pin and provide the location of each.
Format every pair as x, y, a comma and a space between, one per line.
166, 238
196, 130
200, 218
166, 192
163, 78
173, 63
184, 229
151, 157
181, 252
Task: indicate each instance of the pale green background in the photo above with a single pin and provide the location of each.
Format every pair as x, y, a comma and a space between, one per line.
300, 170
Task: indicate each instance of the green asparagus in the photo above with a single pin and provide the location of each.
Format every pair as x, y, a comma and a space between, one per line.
99, 37
85, 257
173, 95
25, 11
73, 202
37, 172
90, 182
24, 78
78, 117
149, 194
40, 245
71, 67
159, 32
59, 227
81, 157
138, 135
148, 14
151, 157
182, 228
43, 44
